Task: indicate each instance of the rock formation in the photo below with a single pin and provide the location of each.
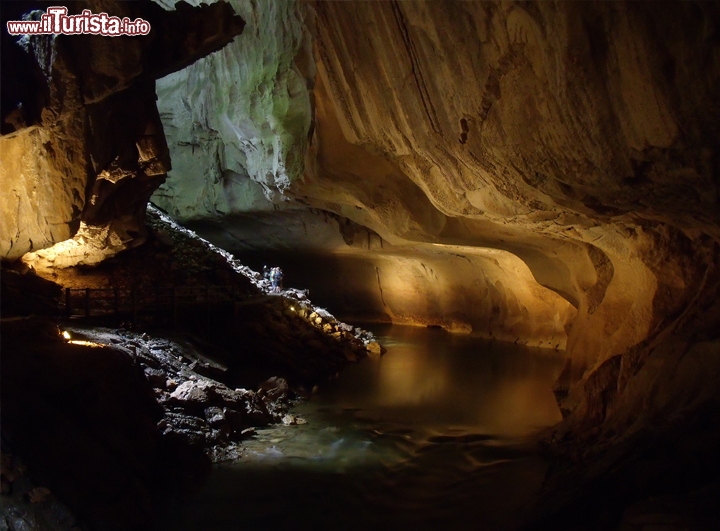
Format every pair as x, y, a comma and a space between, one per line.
580, 138
111, 420
83, 145
563, 156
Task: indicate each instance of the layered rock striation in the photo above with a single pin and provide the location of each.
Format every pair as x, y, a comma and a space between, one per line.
540, 171
580, 138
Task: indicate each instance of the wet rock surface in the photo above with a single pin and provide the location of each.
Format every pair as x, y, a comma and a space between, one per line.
204, 413
26, 507
110, 418
127, 414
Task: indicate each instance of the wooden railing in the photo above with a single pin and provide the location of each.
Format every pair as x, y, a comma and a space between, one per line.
156, 304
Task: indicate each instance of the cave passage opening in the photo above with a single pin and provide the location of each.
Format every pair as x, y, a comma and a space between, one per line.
463, 289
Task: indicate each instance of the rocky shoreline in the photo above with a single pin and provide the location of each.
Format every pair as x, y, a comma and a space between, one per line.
112, 420
205, 413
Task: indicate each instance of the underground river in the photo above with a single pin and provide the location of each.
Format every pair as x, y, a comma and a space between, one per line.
436, 434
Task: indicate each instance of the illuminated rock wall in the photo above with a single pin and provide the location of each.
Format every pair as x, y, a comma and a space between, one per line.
580, 137
83, 146
489, 293
238, 120
37, 208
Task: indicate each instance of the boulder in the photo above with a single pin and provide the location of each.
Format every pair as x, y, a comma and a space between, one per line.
215, 416
193, 391
156, 377
375, 349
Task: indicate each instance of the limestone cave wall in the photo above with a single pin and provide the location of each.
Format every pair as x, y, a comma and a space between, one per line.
561, 156
579, 137
82, 146
362, 278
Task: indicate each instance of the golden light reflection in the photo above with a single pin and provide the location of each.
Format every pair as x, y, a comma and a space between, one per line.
517, 405
404, 380
465, 289
85, 343
66, 335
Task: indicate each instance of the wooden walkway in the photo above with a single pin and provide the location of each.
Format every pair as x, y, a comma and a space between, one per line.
154, 305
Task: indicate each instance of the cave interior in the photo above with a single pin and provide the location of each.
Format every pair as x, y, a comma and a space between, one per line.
538, 173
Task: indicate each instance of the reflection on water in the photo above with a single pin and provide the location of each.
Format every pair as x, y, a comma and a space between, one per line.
435, 379
431, 436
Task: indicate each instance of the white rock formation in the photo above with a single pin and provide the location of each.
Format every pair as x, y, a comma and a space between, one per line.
238, 120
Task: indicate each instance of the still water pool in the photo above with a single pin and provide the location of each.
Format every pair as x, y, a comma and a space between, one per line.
437, 434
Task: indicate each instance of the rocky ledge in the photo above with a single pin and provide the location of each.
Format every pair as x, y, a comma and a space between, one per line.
107, 419
199, 412
113, 420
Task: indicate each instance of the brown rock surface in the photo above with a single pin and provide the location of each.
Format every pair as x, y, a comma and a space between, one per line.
579, 137
83, 143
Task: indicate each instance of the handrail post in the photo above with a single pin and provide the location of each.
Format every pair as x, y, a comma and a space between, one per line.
133, 295
116, 301
207, 311
87, 302
68, 303
174, 307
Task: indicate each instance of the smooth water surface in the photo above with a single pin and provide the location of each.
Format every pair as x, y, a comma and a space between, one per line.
437, 434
